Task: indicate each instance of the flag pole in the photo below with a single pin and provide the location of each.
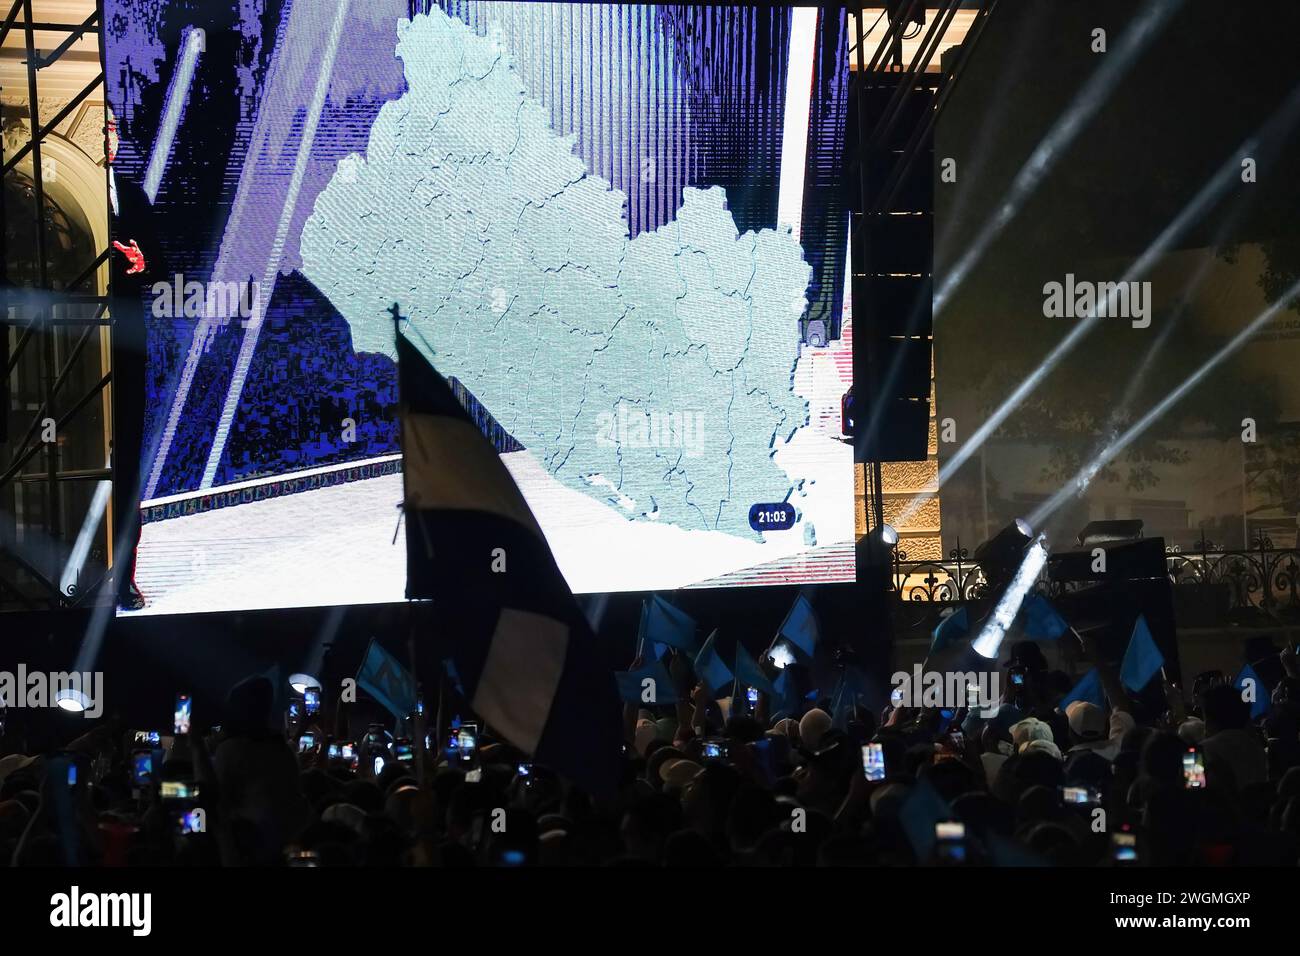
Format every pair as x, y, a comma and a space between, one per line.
640, 634
420, 770
735, 678
420, 773
1079, 640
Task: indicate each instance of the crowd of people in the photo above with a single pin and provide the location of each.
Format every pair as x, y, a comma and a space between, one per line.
1192, 782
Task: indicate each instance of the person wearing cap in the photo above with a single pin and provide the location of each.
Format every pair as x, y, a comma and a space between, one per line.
676, 772
1026, 731
1091, 730
1090, 727
812, 727
1043, 745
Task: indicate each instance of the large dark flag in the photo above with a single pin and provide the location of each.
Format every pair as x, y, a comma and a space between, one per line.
523, 649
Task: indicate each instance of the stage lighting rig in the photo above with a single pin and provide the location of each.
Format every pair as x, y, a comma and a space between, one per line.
1001, 555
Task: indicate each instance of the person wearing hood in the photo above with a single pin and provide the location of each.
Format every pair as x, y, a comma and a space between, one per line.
257, 773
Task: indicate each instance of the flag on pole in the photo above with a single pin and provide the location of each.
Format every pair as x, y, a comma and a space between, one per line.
1253, 691
787, 701
524, 651
800, 628
1088, 688
1041, 621
665, 624
632, 685
749, 674
951, 629
383, 677
1142, 660
710, 668
851, 686
449, 669
920, 810
655, 651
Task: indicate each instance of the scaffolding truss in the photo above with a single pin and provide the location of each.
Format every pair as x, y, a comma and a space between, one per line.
53, 322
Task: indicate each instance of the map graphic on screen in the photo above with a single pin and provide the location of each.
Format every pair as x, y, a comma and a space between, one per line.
618, 231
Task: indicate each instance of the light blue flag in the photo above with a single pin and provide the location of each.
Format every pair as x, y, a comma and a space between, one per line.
952, 628
749, 674
787, 700
800, 627
710, 668
849, 689
656, 650
1088, 688
1263, 700
631, 684
665, 624
1143, 660
921, 809
453, 675
1041, 621
387, 681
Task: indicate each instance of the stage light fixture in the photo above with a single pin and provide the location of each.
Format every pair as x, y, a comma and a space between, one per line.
1110, 531
1002, 554
875, 550
73, 701
990, 639
300, 682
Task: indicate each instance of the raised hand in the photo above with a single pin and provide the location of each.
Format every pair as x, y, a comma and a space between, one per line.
133, 256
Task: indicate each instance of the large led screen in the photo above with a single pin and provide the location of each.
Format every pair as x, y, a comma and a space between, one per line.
617, 230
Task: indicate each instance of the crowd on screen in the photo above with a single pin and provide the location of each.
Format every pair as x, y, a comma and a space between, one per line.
1193, 782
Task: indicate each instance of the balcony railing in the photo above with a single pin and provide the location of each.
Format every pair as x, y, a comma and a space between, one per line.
1256, 586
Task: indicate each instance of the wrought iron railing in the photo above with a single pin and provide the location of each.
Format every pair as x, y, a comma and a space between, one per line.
1263, 579
953, 581
1257, 585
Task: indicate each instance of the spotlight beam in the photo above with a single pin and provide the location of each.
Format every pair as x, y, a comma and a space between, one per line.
1202, 271
1089, 100
238, 260
798, 106
1228, 173
1040, 514
1086, 103
995, 628
177, 93
1080, 481
85, 536
104, 609
253, 328
992, 123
